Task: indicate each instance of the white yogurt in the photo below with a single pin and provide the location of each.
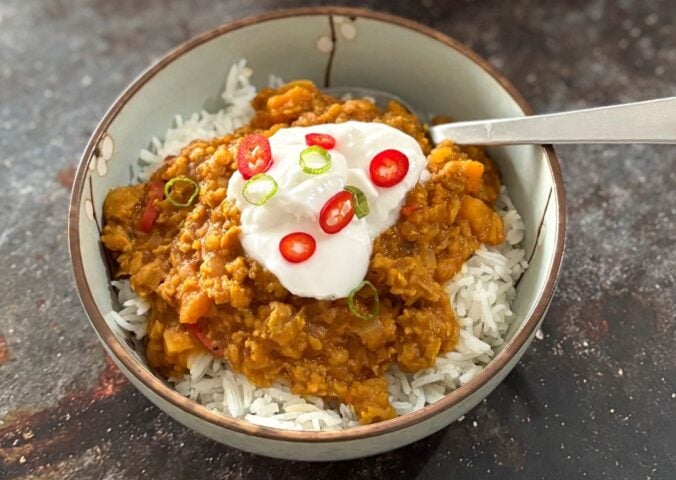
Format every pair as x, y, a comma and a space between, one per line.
341, 260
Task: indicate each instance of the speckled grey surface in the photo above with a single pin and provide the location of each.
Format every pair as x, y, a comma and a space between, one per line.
594, 397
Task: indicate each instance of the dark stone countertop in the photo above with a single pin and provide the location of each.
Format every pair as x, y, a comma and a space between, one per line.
595, 397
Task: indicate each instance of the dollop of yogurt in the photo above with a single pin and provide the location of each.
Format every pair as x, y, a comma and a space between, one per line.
340, 260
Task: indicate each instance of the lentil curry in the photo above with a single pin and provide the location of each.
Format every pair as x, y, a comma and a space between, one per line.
206, 294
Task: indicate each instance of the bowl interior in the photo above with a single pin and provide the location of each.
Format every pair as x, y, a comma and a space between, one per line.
329, 49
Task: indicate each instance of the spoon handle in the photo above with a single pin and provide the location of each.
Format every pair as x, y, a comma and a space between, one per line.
652, 121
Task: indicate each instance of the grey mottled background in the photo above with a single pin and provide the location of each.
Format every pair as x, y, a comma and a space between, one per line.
595, 397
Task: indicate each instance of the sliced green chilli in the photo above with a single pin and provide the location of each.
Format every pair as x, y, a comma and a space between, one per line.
315, 160
360, 204
168, 191
375, 311
259, 189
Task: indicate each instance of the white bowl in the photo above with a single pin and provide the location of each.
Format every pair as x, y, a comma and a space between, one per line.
331, 46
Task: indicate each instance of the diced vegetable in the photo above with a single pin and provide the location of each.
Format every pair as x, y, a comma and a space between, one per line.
409, 209
196, 330
154, 193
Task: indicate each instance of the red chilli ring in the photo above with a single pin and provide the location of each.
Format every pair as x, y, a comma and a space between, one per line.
324, 140
297, 247
388, 168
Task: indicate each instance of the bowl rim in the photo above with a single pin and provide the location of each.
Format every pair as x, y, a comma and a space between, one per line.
133, 368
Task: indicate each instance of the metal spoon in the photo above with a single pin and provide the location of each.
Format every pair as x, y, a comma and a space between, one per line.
652, 121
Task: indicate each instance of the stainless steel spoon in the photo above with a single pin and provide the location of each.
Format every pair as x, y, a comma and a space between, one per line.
652, 121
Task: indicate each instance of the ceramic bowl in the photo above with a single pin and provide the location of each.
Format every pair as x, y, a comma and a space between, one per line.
333, 47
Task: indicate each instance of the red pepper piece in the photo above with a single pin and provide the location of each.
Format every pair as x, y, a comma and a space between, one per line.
154, 193
388, 168
337, 212
323, 140
253, 155
410, 209
198, 333
297, 247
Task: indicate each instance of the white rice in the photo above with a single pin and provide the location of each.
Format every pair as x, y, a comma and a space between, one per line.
481, 295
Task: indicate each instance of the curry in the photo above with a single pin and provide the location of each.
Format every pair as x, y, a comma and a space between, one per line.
186, 259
